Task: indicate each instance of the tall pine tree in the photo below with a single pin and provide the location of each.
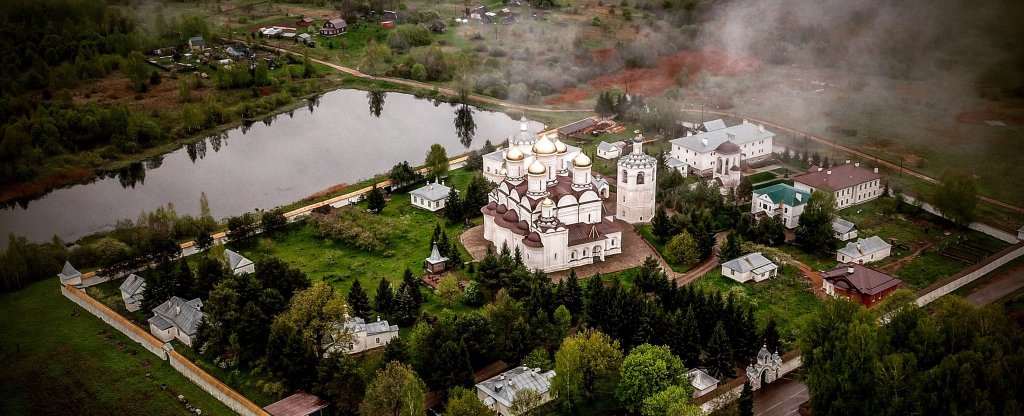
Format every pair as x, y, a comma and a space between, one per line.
719, 353
359, 301
384, 300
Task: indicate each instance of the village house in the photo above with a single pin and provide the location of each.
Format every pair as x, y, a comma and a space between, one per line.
238, 264
334, 27
844, 230
304, 22
196, 43
864, 285
498, 392
864, 250
70, 276
299, 404
780, 200
753, 266
702, 382
850, 183
366, 336
132, 290
431, 197
177, 318
718, 150
435, 263
609, 151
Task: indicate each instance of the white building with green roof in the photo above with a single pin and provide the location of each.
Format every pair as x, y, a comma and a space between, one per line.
780, 200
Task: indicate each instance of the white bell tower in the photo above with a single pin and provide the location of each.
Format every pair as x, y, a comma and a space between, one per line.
636, 181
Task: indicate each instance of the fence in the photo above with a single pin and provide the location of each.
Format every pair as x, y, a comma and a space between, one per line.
204, 380
968, 275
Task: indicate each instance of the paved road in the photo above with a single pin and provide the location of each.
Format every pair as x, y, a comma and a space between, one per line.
833, 143
1005, 284
781, 398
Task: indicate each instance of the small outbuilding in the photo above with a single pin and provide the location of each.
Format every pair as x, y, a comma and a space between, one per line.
753, 266
238, 264
609, 151
334, 27
435, 263
70, 276
844, 230
177, 318
431, 197
304, 22
864, 250
298, 404
196, 43
498, 392
366, 336
862, 284
132, 289
702, 382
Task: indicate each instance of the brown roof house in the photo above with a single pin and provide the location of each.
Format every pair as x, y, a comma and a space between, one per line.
850, 183
862, 284
334, 27
305, 21
298, 404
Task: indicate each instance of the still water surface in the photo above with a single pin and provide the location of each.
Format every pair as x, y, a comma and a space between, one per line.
268, 164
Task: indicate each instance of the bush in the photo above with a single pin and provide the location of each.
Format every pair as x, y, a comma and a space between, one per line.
349, 225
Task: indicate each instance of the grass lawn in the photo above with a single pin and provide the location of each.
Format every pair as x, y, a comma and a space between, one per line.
645, 231
57, 364
786, 298
761, 177
928, 268
340, 264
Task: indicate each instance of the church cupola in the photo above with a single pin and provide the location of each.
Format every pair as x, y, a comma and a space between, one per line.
537, 177
638, 142
581, 166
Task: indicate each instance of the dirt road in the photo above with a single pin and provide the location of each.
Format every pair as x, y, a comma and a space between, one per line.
1007, 283
847, 149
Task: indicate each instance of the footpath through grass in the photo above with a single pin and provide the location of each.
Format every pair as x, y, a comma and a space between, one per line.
59, 364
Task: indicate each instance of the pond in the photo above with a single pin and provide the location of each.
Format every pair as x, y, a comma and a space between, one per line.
343, 136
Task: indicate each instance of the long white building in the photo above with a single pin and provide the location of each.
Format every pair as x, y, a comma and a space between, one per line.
719, 151
850, 183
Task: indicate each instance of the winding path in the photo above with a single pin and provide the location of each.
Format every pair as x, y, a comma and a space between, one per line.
848, 149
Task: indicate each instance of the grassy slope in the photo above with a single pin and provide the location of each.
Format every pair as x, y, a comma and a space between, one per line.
56, 364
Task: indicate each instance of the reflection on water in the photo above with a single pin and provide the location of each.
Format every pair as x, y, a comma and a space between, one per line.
269, 162
376, 101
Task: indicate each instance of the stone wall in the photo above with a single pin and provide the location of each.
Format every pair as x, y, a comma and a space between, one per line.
727, 393
216, 388
204, 380
118, 322
968, 275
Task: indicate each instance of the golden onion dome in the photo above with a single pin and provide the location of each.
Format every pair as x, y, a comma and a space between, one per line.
515, 154
547, 202
560, 147
544, 146
503, 172
537, 168
581, 160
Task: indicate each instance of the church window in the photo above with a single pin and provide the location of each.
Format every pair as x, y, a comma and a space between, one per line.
640, 178
556, 256
625, 177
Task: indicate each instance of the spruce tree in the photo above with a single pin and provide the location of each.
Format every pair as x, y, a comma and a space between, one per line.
454, 256
437, 235
661, 225
405, 309
573, 294
731, 249
375, 200
719, 353
396, 350
770, 336
359, 301
410, 281
746, 400
453, 209
384, 300
689, 350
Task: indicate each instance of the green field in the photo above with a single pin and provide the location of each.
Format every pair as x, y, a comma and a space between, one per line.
786, 298
59, 364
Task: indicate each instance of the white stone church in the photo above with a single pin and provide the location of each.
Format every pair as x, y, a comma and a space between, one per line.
550, 206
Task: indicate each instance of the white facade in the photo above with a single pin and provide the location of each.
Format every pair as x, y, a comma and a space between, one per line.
550, 207
69, 275
431, 197
177, 318
849, 183
635, 184
700, 153
132, 290
864, 250
753, 266
843, 229
702, 382
367, 336
520, 147
780, 200
609, 151
498, 392
238, 264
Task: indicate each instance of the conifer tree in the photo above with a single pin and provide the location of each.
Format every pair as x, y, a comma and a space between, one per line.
746, 401
719, 353
661, 225
410, 281
405, 309
384, 300
770, 336
359, 301
375, 200
573, 299
454, 256
453, 209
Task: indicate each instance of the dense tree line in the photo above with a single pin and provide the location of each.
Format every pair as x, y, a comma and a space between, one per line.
952, 359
